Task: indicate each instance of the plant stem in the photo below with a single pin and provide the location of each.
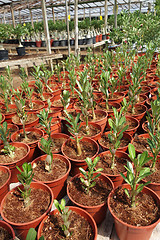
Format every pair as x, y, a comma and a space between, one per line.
79, 151
87, 127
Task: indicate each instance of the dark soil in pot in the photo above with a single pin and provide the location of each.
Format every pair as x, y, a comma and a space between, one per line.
88, 150
137, 110
58, 169
105, 162
154, 177
30, 118
92, 131
145, 213
20, 152
14, 209
97, 194
4, 111
131, 124
141, 144
79, 226
4, 235
105, 141
31, 137
57, 103
35, 106
3, 179
58, 142
99, 116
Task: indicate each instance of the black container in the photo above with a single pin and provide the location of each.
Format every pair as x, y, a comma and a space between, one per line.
89, 41
94, 39
55, 43
63, 43
3, 55
72, 42
21, 51
80, 41
66, 42
104, 37
43, 44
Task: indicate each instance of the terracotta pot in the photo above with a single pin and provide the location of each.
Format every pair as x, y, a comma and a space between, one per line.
54, 136
116, 179
130, 232
110, 111
146, 90
97, 212
8, 116
33, 145
95, 125
41, 106
141, 115
97, 38
8, 228
22, 228
27, 125
3, 118
145, 135
57, 186
4, 189
55, 128
12, 166
119, 98
81, 212
123, 149
46, 96
132, 130
38, 43
101, 122
11, 126
76, 164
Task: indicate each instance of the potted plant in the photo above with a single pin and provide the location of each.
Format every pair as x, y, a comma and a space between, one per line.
20, 31
26, 196
7, 231
4, 34
128, 199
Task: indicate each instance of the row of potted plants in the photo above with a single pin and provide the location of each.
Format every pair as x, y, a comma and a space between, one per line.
101, 104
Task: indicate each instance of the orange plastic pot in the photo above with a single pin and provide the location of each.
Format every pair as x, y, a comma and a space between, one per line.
81, 212
141, 115
12, 166
145, 135
119, 98
23, 228
76, 164
3, 118
4, 189
97, 212
38, 43
8, 228
116, 179
101, 122
123, 149
27, 125
110, 111
33, 145
57, 186
8, 116
41, 106
130, 232
132, 130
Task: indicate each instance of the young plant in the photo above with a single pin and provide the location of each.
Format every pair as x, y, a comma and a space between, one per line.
65, 99
40, 88
88, 176
72, 77
46, 147
46, 75
154, 122
74, 128
104, 85
113, 85
6, 92
65, 213
134, 176
36, 72
58, 71
20, 103
9, 77
45, 121
32, 235
25, 178
117, 124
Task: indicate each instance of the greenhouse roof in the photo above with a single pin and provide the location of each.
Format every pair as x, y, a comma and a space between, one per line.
88, 8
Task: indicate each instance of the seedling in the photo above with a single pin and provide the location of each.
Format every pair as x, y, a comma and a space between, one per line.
45, 121
25, 178
36, 72
40, 89
5, 92
74, 128
72, 77
134, 176
45, 75
65, 213
117, 124
58, 71
20, 103
65, 99
88, 176
46, 147
104, 85
32, 235
113, 85
9, 77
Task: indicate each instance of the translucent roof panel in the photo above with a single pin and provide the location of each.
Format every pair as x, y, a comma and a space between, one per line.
90, 7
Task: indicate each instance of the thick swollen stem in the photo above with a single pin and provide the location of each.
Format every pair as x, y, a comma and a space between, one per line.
93, 113
24, 131
49, 88
87, 127
113, 161
107, 106
133, 197
79, 151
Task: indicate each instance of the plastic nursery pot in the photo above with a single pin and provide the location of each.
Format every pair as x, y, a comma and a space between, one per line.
141, 115
27, 125
12, 166
9, 229
8, 116
57, 186
40, 106
55, 127
57, 136
116, 179
76, 164
81, 212
145, 135
109, 111
3, 118
95, 125
38, 43
131, 131
22, 228
117, 97
123, 149
97, 212
5, 187
130, 232
46, 97
32, 145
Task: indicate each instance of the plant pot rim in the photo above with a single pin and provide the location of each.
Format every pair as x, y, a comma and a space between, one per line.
8, 226
56, 156
135, 120
73, 208
38, 102
95, 206
126, 224
32, 186
20, 124
9, 177
85, 139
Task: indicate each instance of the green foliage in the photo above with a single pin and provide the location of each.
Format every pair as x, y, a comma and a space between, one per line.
45, 121
117, 124
45, 75
65, 213
40, 87
46, 147
25, 178
20, 104
89, 176
72, 77
134, 176
20, 31
6, 91
65, 99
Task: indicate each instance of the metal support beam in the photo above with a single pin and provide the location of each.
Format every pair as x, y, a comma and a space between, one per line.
140, 6
31, 16
115, 13
13, 18
105, 15
129, 6
76, 26
19, 16
67, 21
53, 15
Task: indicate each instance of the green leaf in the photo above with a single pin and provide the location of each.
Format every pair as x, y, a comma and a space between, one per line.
132, 151
31, 234
126, 192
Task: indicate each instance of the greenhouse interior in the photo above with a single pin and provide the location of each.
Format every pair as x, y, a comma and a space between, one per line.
80, 120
